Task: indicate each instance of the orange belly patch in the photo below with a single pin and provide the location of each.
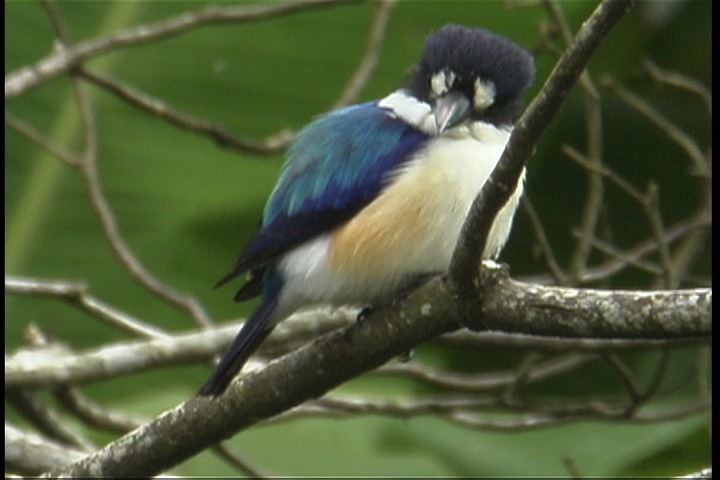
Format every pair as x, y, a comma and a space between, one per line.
390, 231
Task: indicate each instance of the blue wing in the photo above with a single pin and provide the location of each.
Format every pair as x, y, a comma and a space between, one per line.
337, 165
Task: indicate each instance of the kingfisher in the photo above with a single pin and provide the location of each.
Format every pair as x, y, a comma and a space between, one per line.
372, 197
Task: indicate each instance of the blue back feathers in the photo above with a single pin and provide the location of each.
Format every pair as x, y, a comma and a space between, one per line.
340, 159
336, 166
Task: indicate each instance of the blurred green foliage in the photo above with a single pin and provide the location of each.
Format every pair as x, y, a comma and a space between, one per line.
186, 206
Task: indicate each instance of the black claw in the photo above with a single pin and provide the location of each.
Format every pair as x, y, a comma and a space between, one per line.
405, 356
364, 314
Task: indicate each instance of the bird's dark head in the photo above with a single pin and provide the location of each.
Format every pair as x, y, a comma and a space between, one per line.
472, 73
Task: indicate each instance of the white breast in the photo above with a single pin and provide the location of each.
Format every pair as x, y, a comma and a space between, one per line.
411, 228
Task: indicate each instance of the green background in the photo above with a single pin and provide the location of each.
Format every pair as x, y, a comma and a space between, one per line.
186, 206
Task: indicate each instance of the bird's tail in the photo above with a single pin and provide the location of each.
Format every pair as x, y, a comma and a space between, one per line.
251, 335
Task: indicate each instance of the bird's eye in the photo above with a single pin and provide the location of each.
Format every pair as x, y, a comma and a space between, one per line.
484, 95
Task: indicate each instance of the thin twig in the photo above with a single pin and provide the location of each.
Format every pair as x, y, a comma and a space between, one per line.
528, 129
594, 131
240, 464
652, 210
38, 413
625, 258
125, 254
88, 169
547, 254
673, 132
370, 59
485, 381
677, 80
32, 134
679, 230
78, 296
461, 411
649, 202
58, 63
93, 414
605, 171
220, 135
483, 340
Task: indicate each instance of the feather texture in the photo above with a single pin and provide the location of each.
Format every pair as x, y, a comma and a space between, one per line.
410, 229
337, 165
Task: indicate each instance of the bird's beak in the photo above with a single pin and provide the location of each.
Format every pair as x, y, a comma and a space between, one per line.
450, 110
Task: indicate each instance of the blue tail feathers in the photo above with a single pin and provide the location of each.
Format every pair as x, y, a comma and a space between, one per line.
251, 335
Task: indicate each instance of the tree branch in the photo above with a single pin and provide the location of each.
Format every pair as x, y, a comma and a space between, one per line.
33, 454
505, 312
510, 306
60, 62
340, 355
497, 189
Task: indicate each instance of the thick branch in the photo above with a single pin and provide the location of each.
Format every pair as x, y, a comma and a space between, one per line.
509, 306
348, 352
569, 312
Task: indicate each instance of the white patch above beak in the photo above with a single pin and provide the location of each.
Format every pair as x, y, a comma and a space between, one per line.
484, 95
442, 82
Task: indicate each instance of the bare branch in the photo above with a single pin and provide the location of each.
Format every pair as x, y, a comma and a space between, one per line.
548, 256
680, 81
93, 414
511, 306
498, 188
463, 412
594, 131
367, 66
58, 63
77, 295
271, 145
127, 257
31, 370
101, 417
32, 134
682, 139
647, 247
32, 454
238, 463
311, 371
480, 340
482, 382
34, 409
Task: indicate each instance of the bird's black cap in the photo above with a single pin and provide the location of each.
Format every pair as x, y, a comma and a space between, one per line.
472, 53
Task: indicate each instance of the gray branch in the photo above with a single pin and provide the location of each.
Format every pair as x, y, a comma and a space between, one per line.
63, 60
510, 306
527, 131
340, 355
570, 312
32, 454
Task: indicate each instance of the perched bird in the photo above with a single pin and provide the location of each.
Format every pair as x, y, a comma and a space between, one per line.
372, 197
